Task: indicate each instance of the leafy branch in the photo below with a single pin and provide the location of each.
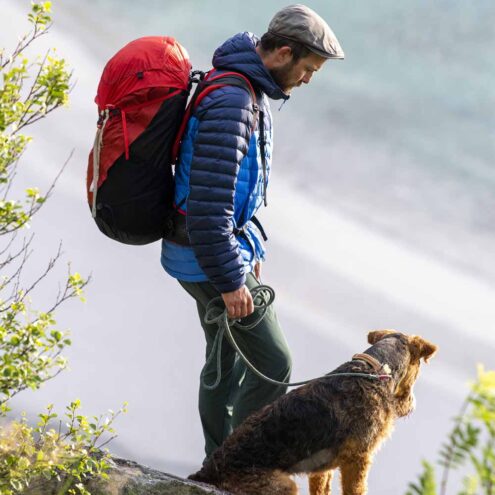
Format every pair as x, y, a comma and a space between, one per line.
470, 445
31, 345
30, 455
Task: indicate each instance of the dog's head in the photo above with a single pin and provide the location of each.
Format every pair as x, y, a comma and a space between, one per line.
404, 354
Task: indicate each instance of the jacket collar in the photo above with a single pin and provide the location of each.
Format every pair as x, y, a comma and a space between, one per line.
239, 54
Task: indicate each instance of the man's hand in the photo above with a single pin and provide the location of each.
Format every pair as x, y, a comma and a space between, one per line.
257, 271
239, 303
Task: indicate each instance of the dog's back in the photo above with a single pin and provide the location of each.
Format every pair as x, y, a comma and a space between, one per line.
289, 433
334, 421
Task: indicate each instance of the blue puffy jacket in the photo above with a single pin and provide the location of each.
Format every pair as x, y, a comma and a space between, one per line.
220, 174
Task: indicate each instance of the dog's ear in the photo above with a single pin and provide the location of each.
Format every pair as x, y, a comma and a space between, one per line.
421, 348
376, 335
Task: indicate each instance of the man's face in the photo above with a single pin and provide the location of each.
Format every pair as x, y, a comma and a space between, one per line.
292, 74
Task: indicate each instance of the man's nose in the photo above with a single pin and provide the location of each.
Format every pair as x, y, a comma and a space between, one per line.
307, 77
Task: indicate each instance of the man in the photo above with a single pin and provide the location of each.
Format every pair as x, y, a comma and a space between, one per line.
221, 181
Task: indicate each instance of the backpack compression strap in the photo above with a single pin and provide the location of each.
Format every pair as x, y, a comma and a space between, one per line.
105, 115
131, 108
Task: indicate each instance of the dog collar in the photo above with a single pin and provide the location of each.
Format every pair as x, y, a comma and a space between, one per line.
373, 362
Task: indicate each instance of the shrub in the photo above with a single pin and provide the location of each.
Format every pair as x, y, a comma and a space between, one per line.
30, 344
470, 446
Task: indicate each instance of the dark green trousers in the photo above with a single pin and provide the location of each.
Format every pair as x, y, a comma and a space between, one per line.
240, 392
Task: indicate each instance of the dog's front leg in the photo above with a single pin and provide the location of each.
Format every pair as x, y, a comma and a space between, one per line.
320, 483
354, 475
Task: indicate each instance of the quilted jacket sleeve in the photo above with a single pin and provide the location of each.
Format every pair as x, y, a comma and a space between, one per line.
225, 119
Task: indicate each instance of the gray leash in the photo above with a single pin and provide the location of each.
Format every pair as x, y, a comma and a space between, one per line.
216, 313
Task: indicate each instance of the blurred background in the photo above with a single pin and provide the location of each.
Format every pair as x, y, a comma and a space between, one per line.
381, 212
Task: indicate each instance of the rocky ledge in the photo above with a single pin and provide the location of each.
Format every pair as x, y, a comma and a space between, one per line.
130, 478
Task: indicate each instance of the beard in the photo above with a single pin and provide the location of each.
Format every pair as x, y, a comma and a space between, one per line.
283, 77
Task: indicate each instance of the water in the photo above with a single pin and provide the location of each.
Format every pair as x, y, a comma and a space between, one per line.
399, 135
381, 214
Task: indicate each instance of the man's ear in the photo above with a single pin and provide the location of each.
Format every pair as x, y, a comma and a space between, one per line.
283, 55
421, 348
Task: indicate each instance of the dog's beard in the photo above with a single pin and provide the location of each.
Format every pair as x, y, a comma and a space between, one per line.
408, 405
413, 403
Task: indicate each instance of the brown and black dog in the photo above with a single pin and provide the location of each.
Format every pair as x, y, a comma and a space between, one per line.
330, 423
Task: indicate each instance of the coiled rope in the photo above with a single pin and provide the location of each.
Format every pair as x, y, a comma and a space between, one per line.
217, 313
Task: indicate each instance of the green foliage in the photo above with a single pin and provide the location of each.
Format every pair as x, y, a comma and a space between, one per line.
29, 90
470, 445
40, 14
30, 344
426, 484
30, 455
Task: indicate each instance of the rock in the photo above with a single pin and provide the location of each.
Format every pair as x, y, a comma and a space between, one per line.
130, 478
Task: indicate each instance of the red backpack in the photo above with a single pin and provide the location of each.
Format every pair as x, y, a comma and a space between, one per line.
141, 100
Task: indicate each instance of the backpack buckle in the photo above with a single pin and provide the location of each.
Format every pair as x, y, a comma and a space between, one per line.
196, 76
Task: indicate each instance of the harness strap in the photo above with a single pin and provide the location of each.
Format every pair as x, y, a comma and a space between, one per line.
263, 154
206, 84
256, 222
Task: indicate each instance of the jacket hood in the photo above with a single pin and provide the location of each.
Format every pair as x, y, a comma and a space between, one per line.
239, 54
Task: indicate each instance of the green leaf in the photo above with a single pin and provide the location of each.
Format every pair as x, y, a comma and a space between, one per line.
426, 484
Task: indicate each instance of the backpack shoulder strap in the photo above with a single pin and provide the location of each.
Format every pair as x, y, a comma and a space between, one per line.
211, 82
214, 81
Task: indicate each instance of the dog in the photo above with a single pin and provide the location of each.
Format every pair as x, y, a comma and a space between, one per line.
332, 422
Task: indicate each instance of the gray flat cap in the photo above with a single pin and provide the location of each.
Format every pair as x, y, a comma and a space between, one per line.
303, 25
